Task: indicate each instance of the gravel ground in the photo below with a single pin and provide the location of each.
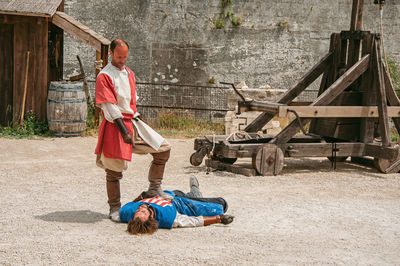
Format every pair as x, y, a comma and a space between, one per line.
54, 211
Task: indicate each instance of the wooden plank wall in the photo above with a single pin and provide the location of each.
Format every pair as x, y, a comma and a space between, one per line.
30, 33
6, 73
33, 37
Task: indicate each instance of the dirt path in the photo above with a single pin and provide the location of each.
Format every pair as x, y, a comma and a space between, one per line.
54, 211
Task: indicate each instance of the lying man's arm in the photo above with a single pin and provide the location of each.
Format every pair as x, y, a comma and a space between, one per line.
182, 220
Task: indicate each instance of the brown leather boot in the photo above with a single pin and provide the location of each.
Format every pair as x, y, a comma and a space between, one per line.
113, 193
156, 173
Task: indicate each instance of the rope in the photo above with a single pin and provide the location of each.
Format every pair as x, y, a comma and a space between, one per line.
242, 135
209, 155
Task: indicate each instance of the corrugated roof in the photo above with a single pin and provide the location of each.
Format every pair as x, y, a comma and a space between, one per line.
40, 8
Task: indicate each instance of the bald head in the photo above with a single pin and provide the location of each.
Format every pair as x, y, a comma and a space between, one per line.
118, 43
119, 53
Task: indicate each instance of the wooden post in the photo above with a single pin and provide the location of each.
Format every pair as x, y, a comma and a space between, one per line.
97, 109
100, 55
355, 25
357, 15
381, 93
21, 122
369, 91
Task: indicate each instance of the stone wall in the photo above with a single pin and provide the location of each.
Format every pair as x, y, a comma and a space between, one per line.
174, 41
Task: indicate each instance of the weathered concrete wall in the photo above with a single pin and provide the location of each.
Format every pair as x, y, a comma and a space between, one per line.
174, 40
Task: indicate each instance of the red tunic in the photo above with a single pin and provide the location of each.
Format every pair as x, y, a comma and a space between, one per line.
110, 140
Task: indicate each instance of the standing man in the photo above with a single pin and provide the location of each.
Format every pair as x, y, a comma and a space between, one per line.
122, 132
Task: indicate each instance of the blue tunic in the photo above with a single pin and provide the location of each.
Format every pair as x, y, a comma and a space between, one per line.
165, 211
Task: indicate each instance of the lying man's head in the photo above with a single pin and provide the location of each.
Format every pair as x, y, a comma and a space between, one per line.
143, 221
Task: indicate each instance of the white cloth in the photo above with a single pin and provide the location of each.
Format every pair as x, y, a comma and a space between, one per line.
111, 112
148, 134
122, 88
182, 220
151, 137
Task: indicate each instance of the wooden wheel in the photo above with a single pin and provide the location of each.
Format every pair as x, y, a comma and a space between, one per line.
196, 159
268, 160
383, 164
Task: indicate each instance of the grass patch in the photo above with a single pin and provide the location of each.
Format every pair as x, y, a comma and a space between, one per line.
30, 128
394, 74
91, 129
183, 124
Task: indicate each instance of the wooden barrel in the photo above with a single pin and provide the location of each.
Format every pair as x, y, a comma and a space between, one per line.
66, 108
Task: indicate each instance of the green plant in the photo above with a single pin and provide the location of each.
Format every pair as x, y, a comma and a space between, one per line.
30, 127
165, 14
219, 23
395, 137
226, 13
283, 23
211, 80
236, 20
91, 129
183, 124
394, 74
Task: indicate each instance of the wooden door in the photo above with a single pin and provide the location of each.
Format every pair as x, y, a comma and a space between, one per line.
6, 73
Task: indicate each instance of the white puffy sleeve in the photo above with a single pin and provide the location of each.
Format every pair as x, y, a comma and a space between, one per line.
111, 111
182, 220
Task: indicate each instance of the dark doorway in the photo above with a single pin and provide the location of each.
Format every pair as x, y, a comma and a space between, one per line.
6, 73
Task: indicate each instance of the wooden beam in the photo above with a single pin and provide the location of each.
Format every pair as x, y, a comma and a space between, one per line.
266, 107
327, 79
367, 87
343, 82
336, 111
291, 94
96, 108
357, 15
378, 151
80, 31
100, 55
381, 93
236, 169
355, 25
323, 149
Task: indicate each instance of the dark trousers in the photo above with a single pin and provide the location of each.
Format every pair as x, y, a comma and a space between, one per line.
218, 200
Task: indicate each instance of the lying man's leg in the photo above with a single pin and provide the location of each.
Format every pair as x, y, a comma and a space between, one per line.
217, 200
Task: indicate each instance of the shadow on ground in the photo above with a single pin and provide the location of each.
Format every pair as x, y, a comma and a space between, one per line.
83, 216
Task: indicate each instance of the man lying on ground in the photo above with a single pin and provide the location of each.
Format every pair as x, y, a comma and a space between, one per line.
145, 216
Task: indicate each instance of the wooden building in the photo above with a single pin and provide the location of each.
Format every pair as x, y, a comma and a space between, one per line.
36, 26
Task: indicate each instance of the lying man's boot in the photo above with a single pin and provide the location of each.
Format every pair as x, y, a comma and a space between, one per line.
114, 216
194, 188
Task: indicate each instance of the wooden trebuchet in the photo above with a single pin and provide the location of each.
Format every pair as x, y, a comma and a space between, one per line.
349, 117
